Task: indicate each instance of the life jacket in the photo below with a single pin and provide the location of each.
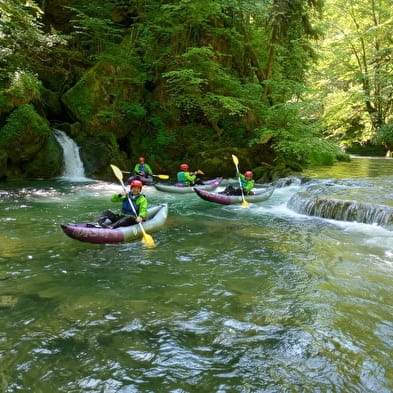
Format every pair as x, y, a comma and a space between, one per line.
127, 208
142, 168
180, 177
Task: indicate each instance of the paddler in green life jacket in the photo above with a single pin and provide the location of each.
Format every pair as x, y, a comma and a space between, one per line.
186, 178
127, 217
142, 168
247, 183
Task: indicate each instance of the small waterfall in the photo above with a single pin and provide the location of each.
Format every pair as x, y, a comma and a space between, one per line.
73, 165
345, 210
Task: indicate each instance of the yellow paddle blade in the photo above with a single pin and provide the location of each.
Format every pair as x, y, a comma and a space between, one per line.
118, 173
244, 203
148, 240
162, 176
235, 160
199, 172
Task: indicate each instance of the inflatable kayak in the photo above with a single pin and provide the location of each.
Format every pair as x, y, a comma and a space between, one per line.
259, 194
208, 185
93, 233
146, 181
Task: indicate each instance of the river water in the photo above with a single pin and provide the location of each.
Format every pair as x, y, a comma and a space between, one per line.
232, 299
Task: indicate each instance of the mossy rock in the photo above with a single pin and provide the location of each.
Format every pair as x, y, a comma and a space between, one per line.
219, 162
48, 162
97, 153
53, 106
32, 150
102, 102
3, 165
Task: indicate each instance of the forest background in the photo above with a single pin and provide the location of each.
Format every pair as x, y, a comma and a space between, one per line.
283, 84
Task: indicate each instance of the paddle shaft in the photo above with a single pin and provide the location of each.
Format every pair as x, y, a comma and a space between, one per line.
147, 239
160, 176
236, 162
240, 181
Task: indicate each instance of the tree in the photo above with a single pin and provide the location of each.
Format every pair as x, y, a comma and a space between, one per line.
357, 67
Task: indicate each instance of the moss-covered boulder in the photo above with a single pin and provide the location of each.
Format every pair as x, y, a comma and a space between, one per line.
24, 88
97, 153
28, 147
102, 102
219, 162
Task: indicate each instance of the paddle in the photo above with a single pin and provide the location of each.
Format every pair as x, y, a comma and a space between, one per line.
147, 239
164, 177
236, 162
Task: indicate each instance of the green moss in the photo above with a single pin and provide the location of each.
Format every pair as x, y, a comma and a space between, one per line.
31, 149
80, 98
24, 130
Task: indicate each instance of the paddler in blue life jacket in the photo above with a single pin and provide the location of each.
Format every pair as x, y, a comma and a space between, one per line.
142, 168
127, 216
186, 178
247, 183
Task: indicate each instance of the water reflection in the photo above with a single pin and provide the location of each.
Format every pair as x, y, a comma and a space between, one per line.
358, 167
232, 300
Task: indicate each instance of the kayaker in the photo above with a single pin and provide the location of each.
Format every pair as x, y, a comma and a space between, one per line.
187, 178
247, 183
142, 168
127, 216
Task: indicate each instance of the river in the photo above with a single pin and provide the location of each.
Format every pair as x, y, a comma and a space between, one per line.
232, 299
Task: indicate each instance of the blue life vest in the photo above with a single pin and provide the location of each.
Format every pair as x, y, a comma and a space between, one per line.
142, 168
127, 208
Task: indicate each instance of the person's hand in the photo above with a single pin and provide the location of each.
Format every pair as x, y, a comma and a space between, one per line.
139, 219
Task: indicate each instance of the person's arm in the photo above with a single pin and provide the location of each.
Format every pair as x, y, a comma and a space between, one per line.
249, 186
149, 170
136, 168
142, 206
189, 177
118, 198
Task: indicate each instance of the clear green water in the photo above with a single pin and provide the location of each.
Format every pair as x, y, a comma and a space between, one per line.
231, 299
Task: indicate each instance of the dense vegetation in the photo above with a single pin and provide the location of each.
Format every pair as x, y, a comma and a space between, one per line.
193, 80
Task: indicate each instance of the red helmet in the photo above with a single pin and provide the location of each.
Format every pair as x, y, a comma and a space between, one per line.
184, 167
136, 183
141, 160
248, 174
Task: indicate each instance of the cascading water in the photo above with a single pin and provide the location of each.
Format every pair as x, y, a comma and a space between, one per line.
73, 165
345, 201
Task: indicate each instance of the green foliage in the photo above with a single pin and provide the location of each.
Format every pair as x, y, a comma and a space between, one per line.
94, 29
25, 84
165, 139
189, 75
22, 39
384, 135
23, 87
294, 139
134, 110
355, 61
204, 89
